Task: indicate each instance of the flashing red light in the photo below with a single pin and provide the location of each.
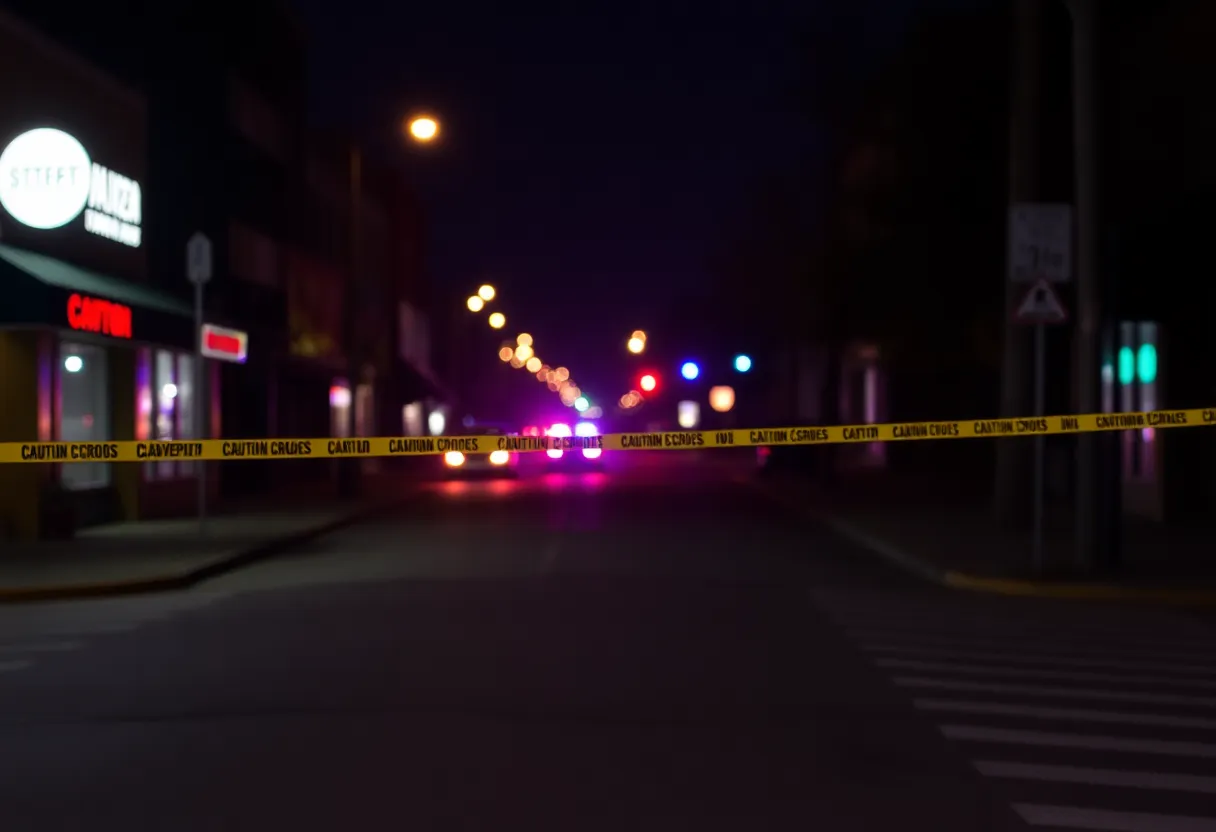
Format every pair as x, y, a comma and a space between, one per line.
648, 383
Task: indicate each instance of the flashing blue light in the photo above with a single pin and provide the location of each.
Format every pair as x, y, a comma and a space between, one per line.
742, 363
690, 370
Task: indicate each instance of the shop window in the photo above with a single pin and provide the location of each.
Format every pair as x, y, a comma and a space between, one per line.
166, 407
84, 410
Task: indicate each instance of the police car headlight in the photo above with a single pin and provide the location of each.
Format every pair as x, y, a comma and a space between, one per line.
454, 458
499, 458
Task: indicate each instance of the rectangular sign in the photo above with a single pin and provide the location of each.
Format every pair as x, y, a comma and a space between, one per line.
1040, 243
224, 344
104, 317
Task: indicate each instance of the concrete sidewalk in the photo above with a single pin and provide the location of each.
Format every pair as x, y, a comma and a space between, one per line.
944, 531
160, 555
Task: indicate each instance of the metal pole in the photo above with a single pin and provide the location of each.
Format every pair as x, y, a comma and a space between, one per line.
1040, 446
1010, 491
200, 404
348, 467
1089, 289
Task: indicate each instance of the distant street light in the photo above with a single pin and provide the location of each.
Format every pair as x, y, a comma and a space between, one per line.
533, 364
506, 353
722, 399
424, 129
524, 339
635, 345
486, 292
498, 320
475, 303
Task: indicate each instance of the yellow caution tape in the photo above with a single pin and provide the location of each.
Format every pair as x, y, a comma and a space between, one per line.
386, 446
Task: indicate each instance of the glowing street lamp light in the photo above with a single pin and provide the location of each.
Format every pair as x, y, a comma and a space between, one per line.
497, 320
423, 129
506, 354
524, 339
636, 345
475, 303
533, 364
486, 292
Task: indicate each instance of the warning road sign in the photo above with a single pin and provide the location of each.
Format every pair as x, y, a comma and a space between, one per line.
1041, 306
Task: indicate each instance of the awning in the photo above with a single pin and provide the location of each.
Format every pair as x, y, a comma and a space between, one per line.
45, 291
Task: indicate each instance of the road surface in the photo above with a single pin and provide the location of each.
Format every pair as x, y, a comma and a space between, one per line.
659, 647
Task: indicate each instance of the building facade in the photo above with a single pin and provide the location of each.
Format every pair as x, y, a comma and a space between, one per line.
91, 349
195, 127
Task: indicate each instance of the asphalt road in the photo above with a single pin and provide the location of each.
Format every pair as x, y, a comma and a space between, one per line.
658, 647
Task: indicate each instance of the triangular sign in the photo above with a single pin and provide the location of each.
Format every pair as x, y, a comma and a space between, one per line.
1042, 306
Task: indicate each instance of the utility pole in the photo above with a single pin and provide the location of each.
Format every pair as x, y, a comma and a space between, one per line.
1012, 486
1098, 470
349, 467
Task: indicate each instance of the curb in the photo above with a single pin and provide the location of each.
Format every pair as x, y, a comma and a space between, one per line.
962, 581
191, 577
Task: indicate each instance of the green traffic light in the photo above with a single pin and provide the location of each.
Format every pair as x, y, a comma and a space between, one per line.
1146, 364
1127, 365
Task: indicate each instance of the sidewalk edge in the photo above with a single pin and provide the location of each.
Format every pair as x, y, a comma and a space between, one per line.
190, 577
966, 582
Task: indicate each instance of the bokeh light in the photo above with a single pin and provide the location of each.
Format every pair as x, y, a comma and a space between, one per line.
475, 304
635, 345
506, 353
743, 363
498, 320
647, 383
524, 352
533, 364
486, 292
581, 404
690, 370
523, 339
722, 398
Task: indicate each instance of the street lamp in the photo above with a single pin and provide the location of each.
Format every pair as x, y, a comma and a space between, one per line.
475, 304
486, 292
497, 320
635, 345
524, 339
423, 128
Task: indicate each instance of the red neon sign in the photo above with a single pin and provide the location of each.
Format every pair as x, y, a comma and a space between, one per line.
101, 316
224, 344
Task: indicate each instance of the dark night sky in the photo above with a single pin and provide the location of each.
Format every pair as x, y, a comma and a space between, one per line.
594, 152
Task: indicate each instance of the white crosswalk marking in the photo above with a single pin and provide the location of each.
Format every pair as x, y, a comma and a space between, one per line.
1086, 717
37, 632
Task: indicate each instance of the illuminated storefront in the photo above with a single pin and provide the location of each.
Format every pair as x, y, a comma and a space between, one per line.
90, 349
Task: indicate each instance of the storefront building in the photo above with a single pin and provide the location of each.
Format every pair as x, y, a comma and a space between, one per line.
89, 350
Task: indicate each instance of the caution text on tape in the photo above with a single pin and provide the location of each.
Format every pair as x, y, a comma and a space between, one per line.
389, 446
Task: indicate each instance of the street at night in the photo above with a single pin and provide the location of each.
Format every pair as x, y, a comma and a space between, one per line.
657, 646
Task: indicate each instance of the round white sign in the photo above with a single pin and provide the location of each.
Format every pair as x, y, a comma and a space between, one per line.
44, 178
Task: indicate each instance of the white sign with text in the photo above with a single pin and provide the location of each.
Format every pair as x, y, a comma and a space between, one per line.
47, 180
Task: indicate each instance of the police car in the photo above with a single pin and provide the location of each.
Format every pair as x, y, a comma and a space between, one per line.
586, 458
